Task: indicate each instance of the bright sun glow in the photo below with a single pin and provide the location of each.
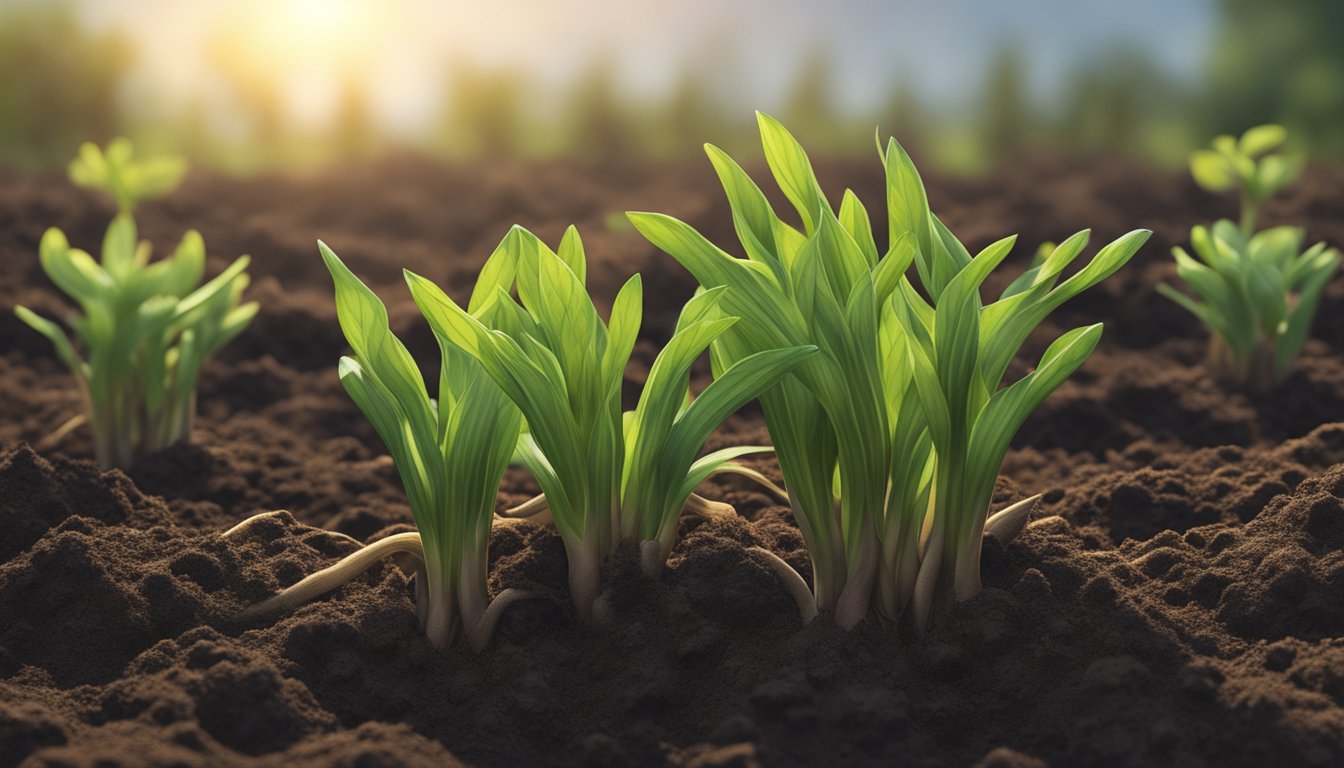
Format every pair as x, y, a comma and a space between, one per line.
303, 52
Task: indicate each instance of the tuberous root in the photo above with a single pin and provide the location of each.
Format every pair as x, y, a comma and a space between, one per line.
1008, 522
733, 468
334, 576
792, 582
479, 635
246, 525
535, 509
699, 506
58, 434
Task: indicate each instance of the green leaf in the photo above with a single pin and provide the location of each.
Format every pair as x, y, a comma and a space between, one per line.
854, 220
497, 274
1268, 295
1293, 335
743, 381
892, 268
626, 315
908, 212
1277, 172
1212, 171
753, 219
1210, 318
73, 270
1261, 139
571, 252
768, 315
363, 320
711, 462
65, 351
1009, 407
180, 273
792, 170
119, 246
1007, 335
937, 410
841, 260
193, 306
661, 400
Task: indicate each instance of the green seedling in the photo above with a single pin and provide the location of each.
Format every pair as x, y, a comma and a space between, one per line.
1253, 165
450, 453
126, 179
607, 476
890, 438
146, 328
1256, 292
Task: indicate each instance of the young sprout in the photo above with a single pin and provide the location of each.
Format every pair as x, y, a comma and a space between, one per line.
146, 328
608, 476
451, 454
1252, 165
126, 179
959, 350
1257, 292
870, 459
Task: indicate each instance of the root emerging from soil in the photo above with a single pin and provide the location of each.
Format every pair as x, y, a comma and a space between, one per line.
440, 610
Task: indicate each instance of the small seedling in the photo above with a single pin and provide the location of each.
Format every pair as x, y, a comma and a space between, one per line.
1253, 165
607, 476
451, 454
891, 437
126, 179
1256, 292
146, 328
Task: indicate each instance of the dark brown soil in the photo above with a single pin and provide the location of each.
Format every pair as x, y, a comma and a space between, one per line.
1177, 600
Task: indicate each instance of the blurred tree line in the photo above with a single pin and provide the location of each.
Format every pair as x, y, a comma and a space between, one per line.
58, 85
1281, 61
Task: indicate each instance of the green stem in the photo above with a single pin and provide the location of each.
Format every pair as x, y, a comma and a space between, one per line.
922, 602
1250, 211
1261, 376
825, 548
900, 564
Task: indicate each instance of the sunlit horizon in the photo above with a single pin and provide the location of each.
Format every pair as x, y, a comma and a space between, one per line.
401, 53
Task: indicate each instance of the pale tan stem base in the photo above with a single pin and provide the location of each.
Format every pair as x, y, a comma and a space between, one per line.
649, 560
856, 596
438, 627
1003, 526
